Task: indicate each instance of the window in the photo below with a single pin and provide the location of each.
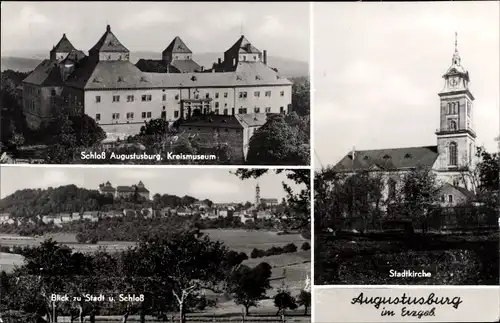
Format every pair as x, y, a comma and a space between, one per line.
225, 112
254, 58
243, 94
453, 107
130, 98
144, 115
256, 94
225, 104
256, 110
115, 116
196, 95
450, 198
268, 93
452, 154
443, 198
176, 114
116, 98
268, 110
216, 95
242, 110
98, 117
164, 114
282, 93
207, 95
225, 94
216, 111
130, 115
392, 188
149, 114
282, 109
177, 96
216, 104
53, 92
146, 97
98, 99
164, 97
453, 125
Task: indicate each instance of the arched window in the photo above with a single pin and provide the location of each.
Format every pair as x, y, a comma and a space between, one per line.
392, 188
453, 125
452, 153
449, 108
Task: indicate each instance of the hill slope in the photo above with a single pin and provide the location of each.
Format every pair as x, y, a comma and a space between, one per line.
27, 61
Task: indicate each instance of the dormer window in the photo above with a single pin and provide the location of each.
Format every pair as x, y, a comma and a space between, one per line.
366, 158
408, 155
143, 79
120, 79
193, 78
387, 157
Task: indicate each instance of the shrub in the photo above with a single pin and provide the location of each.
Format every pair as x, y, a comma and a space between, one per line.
289, 248
306, 246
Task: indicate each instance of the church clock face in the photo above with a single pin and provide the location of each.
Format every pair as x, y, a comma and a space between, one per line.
453, 82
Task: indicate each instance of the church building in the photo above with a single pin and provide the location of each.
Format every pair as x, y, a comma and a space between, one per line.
454, 151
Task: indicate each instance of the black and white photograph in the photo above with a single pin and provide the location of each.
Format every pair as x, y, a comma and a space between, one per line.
406, 131
151, 245
155, 83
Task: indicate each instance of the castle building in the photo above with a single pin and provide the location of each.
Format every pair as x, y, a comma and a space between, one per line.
121, 96
454, 152
124, 191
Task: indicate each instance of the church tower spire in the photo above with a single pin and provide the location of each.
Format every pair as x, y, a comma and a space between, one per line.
456, 135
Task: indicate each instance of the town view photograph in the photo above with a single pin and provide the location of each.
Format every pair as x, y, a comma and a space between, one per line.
154, 245
408, 192
145, 83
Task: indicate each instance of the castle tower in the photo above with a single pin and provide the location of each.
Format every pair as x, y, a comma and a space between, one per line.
456, 135
62, 49
257, 195
176, 50
242, 51
109, 48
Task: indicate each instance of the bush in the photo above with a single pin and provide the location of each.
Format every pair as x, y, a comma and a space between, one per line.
306, 246
289, 248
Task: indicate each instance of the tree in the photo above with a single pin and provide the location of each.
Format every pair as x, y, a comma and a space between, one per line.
301, 98
249, 285
277, 142
87, 132
299, 202
304, 299
284, 300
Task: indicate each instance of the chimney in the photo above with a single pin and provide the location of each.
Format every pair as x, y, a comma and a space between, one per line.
219, 61
264, 56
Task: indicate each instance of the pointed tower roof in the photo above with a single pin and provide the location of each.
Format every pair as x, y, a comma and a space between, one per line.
242, 45
456, 67
108, 43
177, 46
64, 45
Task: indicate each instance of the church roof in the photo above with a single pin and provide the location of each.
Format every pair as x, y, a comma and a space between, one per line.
64, 45
465, 192
177, 46
388, 159
108, 43
243, 46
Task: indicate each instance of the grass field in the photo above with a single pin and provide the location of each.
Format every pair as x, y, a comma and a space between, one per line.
451, 259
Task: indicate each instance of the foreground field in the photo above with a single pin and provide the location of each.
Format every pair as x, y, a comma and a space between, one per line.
451, 259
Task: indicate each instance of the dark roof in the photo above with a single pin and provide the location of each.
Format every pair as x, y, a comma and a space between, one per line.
213, 121
47, 73
108, 43
389, 159
64, 45
242, 45
185, 66
161, 66
75, 56
177, 46
252, 119
468, 194
94, 74
108, 188
131, 189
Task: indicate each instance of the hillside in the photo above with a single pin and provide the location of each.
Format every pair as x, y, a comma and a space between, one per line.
27, 61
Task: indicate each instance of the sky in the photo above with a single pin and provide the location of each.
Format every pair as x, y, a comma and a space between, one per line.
378, 69
216, 184
150, 26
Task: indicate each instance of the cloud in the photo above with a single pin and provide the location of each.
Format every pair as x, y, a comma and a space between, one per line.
273, 27
55, 177
208, 186
224, 20
148, 18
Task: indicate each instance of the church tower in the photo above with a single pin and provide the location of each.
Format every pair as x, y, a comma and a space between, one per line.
257, 195
455, 136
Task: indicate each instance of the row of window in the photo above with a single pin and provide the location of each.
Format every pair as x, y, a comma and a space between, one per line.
147, 97
453, 108
130, 115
